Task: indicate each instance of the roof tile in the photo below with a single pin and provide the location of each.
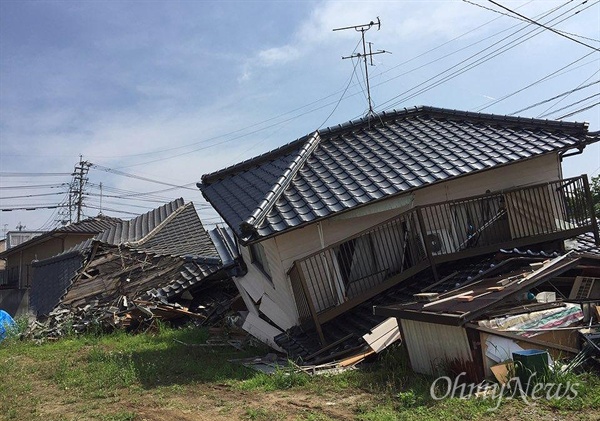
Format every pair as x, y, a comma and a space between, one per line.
366, 160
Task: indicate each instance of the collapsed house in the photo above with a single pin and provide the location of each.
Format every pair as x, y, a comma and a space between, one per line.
527, 301
157, 259
27, 247
385, 206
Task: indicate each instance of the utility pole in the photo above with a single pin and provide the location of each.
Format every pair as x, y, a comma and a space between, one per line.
77, 190
362, 29
100, 199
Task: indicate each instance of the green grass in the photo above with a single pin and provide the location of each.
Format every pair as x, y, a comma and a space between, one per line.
120, 376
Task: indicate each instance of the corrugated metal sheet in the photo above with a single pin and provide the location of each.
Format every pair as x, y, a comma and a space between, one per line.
430, 345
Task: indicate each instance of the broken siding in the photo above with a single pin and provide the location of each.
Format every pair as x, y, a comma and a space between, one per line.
262, 330
430, 345
276, 292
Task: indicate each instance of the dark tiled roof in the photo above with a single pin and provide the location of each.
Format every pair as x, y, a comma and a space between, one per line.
170, 240
225, 244
584, 243
340, 168
106, 281
91, 225
190, 274
138, 228
182, 234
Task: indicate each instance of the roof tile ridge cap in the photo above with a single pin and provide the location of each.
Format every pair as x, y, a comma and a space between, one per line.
160, 226
281, 184
529, 121
256, 160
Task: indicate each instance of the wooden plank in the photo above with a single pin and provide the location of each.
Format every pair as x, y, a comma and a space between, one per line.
452, 297
328, 347
355, 359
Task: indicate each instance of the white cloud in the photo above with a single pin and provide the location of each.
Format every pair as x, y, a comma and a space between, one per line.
280, 55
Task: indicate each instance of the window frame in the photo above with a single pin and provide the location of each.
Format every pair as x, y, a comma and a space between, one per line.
258, 257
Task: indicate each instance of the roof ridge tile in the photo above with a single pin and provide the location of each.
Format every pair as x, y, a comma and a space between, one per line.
249, 225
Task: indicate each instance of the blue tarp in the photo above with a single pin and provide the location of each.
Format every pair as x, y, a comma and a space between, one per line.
6, 323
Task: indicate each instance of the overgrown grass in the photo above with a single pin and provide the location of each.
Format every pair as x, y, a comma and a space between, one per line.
114, 376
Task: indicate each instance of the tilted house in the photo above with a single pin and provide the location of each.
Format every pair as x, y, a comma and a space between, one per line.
19, 259
162, 253
338, 216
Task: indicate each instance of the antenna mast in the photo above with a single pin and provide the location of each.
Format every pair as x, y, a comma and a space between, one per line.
362, 29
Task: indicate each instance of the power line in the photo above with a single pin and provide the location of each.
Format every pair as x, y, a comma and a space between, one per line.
570, 105
565, 97
544, 26
469, 66
30, 195
553, 98
525, 20
34, 186
138, 177
34, 174
31, 207
111, 210
533, 83
579, 111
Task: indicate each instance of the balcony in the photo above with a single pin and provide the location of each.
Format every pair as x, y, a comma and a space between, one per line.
343, 275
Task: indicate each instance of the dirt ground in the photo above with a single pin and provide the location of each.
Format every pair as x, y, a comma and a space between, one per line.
209, 402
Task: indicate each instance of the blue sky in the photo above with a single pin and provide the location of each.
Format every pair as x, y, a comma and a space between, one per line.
170, 90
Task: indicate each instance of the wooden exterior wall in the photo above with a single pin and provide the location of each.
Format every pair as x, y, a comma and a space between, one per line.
286, 248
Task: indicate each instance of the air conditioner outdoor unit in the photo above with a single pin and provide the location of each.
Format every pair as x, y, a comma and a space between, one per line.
440, 242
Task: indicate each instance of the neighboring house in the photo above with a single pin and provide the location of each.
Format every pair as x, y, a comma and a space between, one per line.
163, 253
15, 238
19, 258
333, 219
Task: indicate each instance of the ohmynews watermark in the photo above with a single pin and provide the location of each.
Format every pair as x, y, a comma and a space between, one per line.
534, 389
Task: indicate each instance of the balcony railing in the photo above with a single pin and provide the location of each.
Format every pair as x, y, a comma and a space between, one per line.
345, 274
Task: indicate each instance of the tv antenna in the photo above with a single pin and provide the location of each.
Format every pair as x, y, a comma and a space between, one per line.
362, 29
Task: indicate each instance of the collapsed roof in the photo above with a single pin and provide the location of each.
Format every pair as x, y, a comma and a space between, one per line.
165, 250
